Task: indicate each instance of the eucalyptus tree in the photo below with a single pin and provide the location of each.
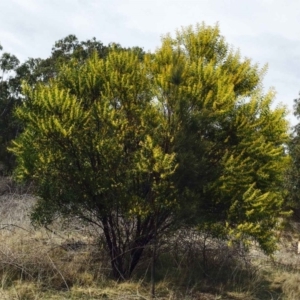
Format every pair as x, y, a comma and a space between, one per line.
8, 99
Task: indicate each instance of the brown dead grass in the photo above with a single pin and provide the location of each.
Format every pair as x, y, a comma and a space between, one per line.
68, 263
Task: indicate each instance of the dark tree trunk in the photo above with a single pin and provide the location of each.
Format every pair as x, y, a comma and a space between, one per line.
125, 246
114, 251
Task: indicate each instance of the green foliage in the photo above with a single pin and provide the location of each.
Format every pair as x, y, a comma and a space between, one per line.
137, 144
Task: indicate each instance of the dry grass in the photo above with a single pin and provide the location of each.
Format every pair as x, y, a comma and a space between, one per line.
68, 263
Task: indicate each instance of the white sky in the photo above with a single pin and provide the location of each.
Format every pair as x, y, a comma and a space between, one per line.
268, 31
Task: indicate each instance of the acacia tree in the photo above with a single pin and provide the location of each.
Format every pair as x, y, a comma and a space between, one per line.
106, 164
138, 145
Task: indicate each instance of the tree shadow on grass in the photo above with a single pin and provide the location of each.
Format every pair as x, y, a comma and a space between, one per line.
222, 271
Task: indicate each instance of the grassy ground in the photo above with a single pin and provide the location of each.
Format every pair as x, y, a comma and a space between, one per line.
69, 263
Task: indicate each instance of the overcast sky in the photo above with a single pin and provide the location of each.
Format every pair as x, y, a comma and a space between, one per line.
268, 31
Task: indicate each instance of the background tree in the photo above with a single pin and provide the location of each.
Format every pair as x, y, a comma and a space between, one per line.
293, 174
63, 52
138, 145
8, 99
